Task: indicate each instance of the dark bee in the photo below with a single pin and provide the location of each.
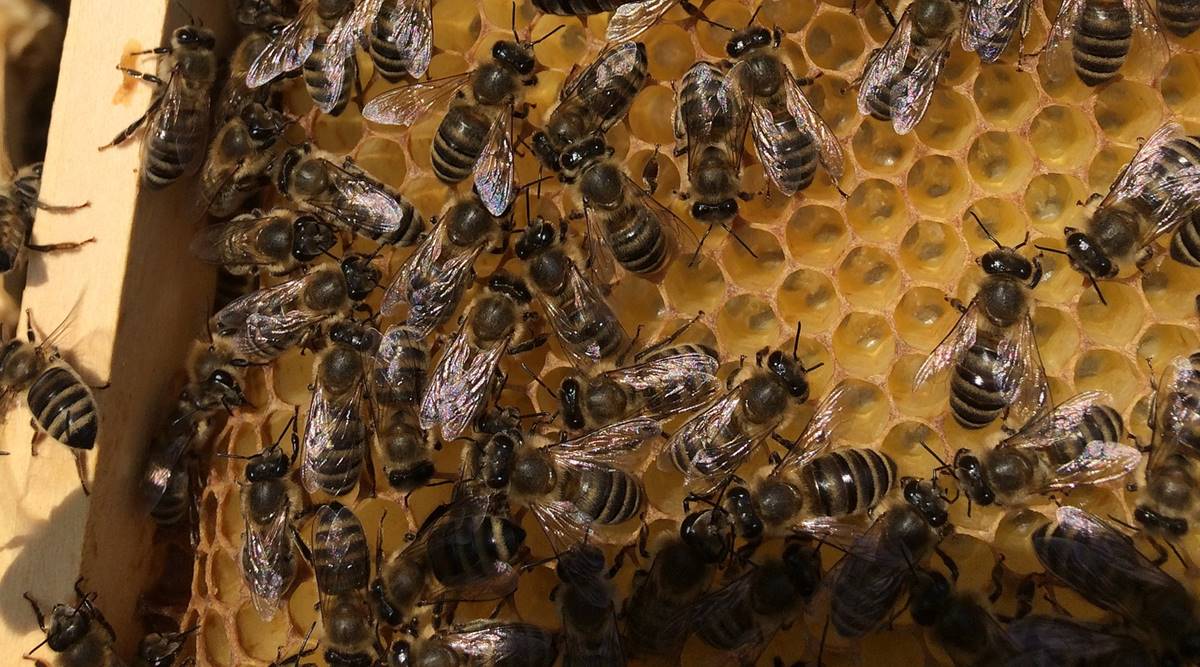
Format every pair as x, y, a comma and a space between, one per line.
585, 603
1154, 195
402, 448
587, 329
335, 437
568, 484
1170, 500
594, 100
160, 649
79, 636
496, 323
1050, 641
431, 282
235, 95
997, 369
958, 622
279, 242
259, 15
463, 551
989, 26
1095, 38
401, 39
342, 567
865, 585
710, 116
578, 7
177, 120
18, 206
474, 135
900, 77
742, 617
1105, 568
482, 643
347, 196
1076, 443
718, 439
659, 612
240, 159
263, 325
1179, 17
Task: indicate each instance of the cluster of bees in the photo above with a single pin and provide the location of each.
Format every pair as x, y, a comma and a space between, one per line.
389, 390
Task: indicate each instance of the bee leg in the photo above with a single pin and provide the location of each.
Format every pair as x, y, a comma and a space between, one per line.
158, 51
149, 78
81, 468
1145, 256
133, 127
732, 379
887, 13
997, 577
37, 611
55, 247
951, 566
657, 346
38, 434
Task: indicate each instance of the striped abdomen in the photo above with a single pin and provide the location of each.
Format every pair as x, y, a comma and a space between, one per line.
1101, 39
459, 142
63, 407
607, 495
846, 481
880, 104
1100, 422
638, 241
976, 397
404, 233
797, 153
594, 332
390, 55
339, 555
14, 230
466, 550
319, 85
168, 151
338, 468
654, 608
1179, 17
729, 627
577, 7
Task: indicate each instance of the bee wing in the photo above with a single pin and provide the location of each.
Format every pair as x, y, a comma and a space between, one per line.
286, 51
458, 387
173, 114
1148, 35
411, 102
1022, 377
414, 269
769, 136
886, 65
274, 299
600, 646
266, 548
488, 642
817, 433
593, 85
1143, 169
717, 605
672, 226
1047, 641
497, 582
870, 577
164, 454
912, 93
598, 256
1099, 463
989, 25
565, 312
838, 531
563, 522
494, 171
1181, 199
365, 206
716, 452
351, 28
633, 18
809, 120
330, 419
1173, 407
957, 341
675, 384
413, 34
343, 536
612, 445
230, 242
1056, 54
725, 110
264, 332
389, 364
430, 282
1061, 422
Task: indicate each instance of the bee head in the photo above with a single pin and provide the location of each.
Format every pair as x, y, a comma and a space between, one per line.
790, 370
709, 533
580, 564
931, 592
741, 507
225, 386
722, 211
1086, 256
1006, 262
467, 222
270, 464
400, 654
1156, 522
569, 397
193, 37
355, 336
28, 183
362, 277
517, 57
747, 40
544, 150
263, 124
311, 238
68, 626
539, 235
581, 152
804, 568
969, 472
926, 500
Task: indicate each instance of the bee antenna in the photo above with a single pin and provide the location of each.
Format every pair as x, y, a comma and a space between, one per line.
513, 20
187, 12
1096, 286
753, 16
796, 342
934, 455
546, 36
538, 380
739, 240
536, 181
1056, 251
983, 227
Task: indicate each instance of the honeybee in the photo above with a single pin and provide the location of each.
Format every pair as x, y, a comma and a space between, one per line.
279, 241
717, 440
1045, 641
60, 400
1170, 501
989, 26
997, 368
402, 448
321, 39
263, 325
585, 604
623, 221
577, 7
271, 504
431, 282
235, 95
1095, 37
1104, 567
18, 206
240, 159
79, 635
710, 119
958, 622
495, 324
587, 329
259, 15
483, 642
1076, 443
742, 617
865, 585
463, 551
160, 649
177, 119
1154, 195
342, 567
401, 39
335, 436
347, 196
659, 612
899, 80
629, 18
1179, 17
570, 484
474, 137
593, 101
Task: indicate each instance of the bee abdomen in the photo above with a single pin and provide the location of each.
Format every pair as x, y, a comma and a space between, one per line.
609, 496
171, 150
577, 7
340, 555
459, 143
386, 52
848, 480
64, 408
1100, 423
1101, 41
798, 155
320, 87
976, 398
1185, 244
175, 501
1179, 17
729, 628
639, 245
337, 471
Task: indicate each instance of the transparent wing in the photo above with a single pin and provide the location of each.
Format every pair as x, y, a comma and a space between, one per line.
286, 51
950, 350
616, 444
1063, 421
1049, 641
267, 547
338, 536
594, 86
714, 119
1144, 167
360, 202
414, 271
266, 334
494, 172
1180, 199
573, 313
1021, 375
989, 26
599, 646
673, 227
431, 282
713, 443
886, 65
1099, 463
673, 385
866, 583
911, 94
712, 614
459, 385
230, 243
1057, 52
838, 531
492, 579
495, 642
1148, 35
331, 420
817, 433
165, 451
392, 361
598, 256
411, 102
808, 120
1176, 409
769, 136
178, 115
633, 18
351, 28
413, 34
271, 300
564, 523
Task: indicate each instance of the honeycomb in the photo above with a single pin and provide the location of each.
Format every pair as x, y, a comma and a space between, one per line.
866, 275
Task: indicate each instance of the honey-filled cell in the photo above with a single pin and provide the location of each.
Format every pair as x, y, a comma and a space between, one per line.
1107, 165
456, 24
864, 344
214, 645
1051, 202
993, 218
746, 323
937, 185
756, 271
834, 40
811, 298
382, 159
949, 121
1005, 95
1180, 85
1171, 290
924, 401
787, 15
879, 150
1161, 343
868, 411
650, 117
932, 251
1126, 111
